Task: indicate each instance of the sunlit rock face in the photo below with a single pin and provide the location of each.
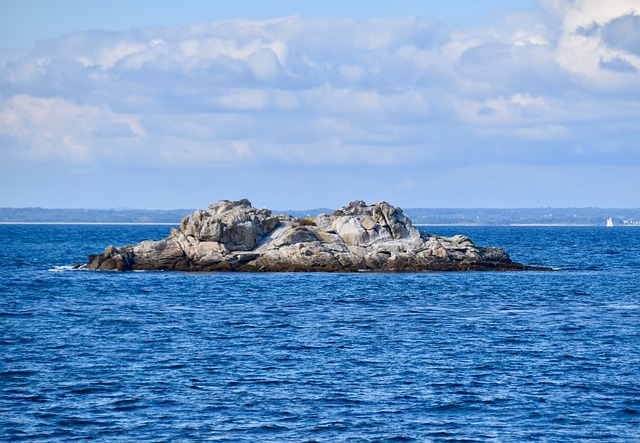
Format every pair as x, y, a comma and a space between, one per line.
235, 236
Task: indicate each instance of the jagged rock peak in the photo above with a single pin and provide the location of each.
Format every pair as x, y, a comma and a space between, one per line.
359, 207
235, 236
360, 224
237, 225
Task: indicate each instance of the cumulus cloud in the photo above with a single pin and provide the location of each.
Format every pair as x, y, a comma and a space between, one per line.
624, 33
48, 128
328, 91
600, 42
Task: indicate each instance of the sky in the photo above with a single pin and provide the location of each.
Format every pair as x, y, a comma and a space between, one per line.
298, 105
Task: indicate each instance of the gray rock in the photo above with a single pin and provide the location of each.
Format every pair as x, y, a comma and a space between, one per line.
236, 225
235, 236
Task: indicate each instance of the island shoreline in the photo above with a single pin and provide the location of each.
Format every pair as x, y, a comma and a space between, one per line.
236, 237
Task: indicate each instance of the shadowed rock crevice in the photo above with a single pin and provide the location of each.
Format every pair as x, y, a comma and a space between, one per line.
235, 236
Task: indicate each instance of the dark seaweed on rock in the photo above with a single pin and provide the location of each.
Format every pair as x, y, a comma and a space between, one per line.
235, 236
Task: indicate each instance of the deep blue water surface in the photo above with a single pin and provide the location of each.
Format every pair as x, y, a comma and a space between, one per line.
175, 357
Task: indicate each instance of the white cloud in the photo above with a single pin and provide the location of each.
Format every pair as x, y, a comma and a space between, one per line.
519, 116
330, 91
245, 99
586, 50
47, 128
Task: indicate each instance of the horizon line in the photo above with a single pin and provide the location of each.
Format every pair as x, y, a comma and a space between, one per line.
322, 207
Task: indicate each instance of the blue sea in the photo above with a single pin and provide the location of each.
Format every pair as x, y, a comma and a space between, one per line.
365, 357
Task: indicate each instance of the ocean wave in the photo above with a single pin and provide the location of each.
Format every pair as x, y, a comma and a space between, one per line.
64, 268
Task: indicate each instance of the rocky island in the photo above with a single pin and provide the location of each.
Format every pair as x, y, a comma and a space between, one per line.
235, 236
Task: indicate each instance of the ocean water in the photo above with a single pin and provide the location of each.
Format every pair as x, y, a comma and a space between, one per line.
424, 357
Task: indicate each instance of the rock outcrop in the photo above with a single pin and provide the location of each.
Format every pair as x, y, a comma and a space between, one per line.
235, 236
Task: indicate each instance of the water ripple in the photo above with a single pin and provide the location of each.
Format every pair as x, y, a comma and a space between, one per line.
322, 357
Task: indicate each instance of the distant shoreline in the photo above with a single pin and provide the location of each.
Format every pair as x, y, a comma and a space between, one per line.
524, 225
452, 225
418, 216
91, 223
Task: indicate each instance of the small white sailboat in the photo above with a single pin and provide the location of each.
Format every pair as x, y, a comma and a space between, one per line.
609, 222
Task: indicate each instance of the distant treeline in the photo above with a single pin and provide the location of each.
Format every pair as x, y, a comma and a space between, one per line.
42, 215
525, 216
431, 216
